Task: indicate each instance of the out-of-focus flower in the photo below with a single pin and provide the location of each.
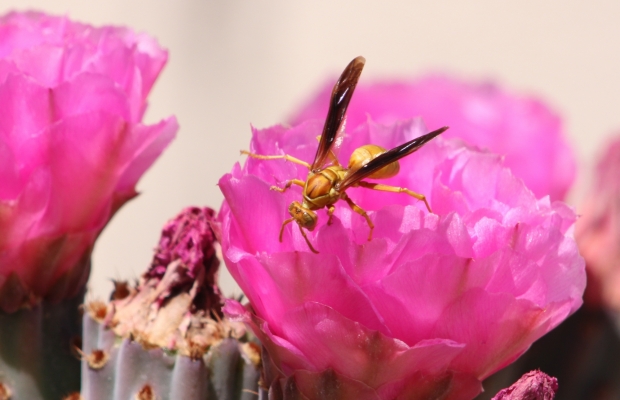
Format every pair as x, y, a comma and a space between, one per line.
523, 129
534, 385
72, 145
598, 232
427, 309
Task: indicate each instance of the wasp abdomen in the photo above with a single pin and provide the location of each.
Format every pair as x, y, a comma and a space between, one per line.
362, 155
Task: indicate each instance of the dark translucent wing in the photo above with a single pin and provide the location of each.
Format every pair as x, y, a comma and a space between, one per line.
339, 101
388, 157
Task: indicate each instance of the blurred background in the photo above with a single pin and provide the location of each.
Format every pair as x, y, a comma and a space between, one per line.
237, 63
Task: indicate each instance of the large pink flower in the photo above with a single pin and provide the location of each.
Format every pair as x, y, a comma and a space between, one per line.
523, 129
72, 146
427, 309
598, 231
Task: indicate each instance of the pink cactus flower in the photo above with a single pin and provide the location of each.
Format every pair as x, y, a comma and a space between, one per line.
598, 232
428, 308
523, 129
72, 145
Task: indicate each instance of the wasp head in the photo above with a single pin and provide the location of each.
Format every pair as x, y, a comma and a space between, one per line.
305, 217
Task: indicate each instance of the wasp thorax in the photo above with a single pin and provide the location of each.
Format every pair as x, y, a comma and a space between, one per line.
320, 184
304, 216
362, 155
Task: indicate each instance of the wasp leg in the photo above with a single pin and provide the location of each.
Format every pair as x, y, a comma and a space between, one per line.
361, 212
281, 157
288, 221
288, 185
395, 189
330, 212
307, 241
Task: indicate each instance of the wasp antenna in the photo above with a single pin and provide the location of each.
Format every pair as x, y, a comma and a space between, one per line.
307, 240
283, 225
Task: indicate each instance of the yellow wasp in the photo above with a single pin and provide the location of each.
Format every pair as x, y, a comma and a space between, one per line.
327, 179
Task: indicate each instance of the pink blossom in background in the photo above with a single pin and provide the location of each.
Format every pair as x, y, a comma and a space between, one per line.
432, 305
523, 129
598, 231
72, 145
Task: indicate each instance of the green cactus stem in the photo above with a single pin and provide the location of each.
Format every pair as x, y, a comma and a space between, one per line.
121, 368
117, 368
37, 351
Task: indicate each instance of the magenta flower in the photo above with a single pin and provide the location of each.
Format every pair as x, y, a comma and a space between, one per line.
72, 145
598, 231
427, 309
524, 130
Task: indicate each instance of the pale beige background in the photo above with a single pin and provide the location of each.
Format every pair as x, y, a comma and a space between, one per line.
233, 63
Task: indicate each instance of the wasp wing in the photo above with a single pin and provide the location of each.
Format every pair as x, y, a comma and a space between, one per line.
388, 157
339, 101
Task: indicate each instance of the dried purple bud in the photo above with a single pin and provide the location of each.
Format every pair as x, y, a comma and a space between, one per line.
186, 254
165, 336
188, 238
177, 302
534, 385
